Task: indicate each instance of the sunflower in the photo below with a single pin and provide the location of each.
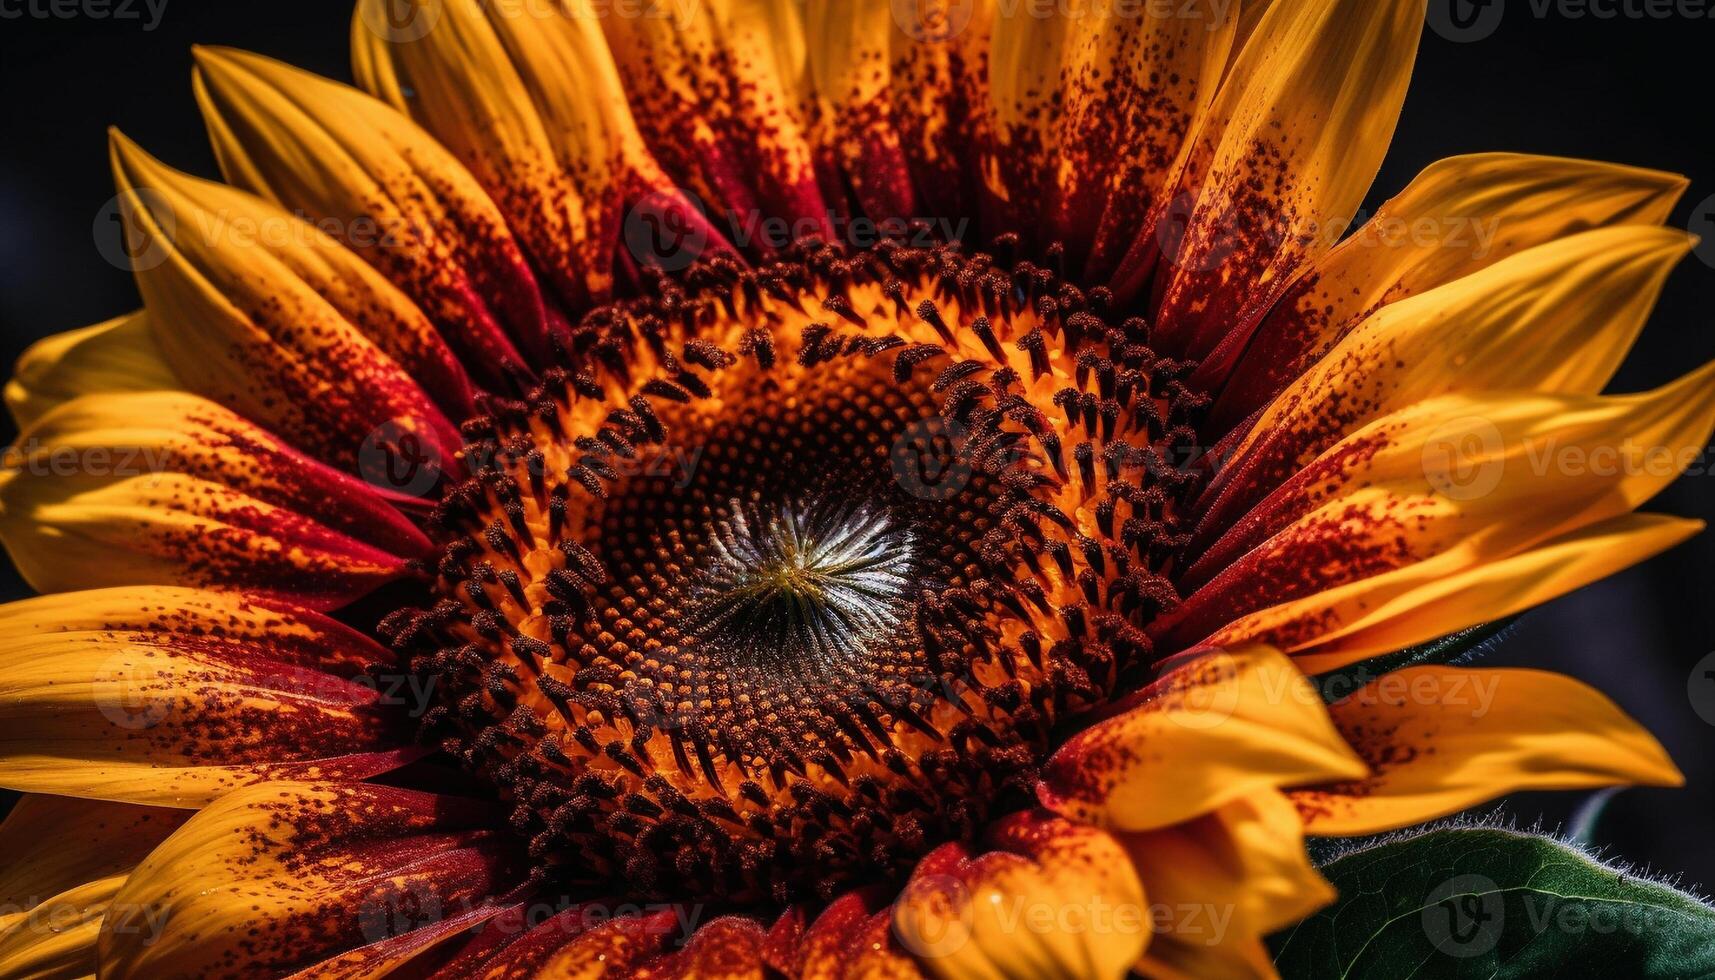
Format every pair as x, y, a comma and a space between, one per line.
845, 489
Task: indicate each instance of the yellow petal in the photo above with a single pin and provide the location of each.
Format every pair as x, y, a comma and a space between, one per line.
529, 99
272, 879
118, 355
1221, 727
1226, 880
1556, 318
264, 313
1475, 479
1440, 739
385, 189
171, 698
1281, 162
1460, 215
1443, 602
65, 858
1091, 109
1051, 899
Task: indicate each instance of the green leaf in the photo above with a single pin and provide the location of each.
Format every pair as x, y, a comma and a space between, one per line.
1484, 902
1461, 647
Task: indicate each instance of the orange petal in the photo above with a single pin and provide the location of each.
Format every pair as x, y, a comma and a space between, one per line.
1556, 318
172, 697
65, 859
385, 189
1440, 739
118, 355
1050, 899
529, 99
1227, 880
264, 313
1473, 478
1460, 215
272, 879
1091, 110
1220, 727
1280, 164
718, 91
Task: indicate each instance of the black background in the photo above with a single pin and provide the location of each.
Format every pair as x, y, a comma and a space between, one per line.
1627, 89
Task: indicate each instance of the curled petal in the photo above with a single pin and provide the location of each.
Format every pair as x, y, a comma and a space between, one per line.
386, 190
272, 879
1440, 739
1049, 898
1219, 727
1228, 879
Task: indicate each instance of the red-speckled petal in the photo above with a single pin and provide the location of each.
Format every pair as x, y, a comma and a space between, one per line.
1092, 106
1460, 215
173, 432
1461, 480
1219, 727
118, 355
262, 312
1556, 318
851, 937
529, 98
382, 186
180, 711
1279, 165
718, 91
167, 488
900, 106
65, 859
272, 879
1048, 898
1441, 739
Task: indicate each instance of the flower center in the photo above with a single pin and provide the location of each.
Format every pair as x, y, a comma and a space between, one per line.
799, 588
787, 574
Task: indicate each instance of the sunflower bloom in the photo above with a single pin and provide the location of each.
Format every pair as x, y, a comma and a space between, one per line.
832, 489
